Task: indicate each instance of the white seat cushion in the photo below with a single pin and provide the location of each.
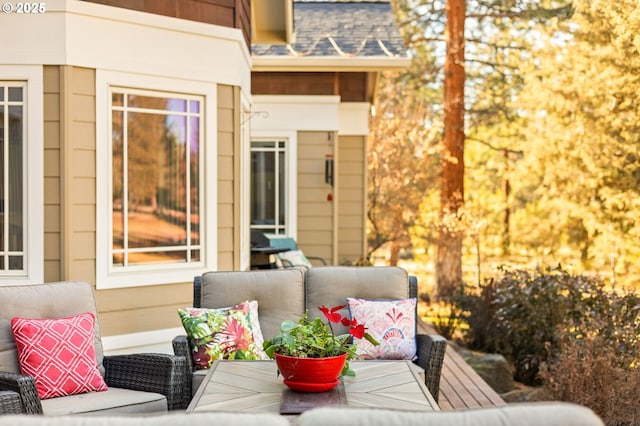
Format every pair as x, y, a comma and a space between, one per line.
111, 401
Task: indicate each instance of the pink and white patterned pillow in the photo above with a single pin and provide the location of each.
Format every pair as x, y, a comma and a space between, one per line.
59, 354
391, 322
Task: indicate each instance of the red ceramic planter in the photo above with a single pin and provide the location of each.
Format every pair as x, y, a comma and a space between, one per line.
310, 374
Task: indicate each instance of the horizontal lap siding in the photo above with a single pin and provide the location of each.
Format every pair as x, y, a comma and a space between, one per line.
351, 198
315, 212
52, 165
228, 176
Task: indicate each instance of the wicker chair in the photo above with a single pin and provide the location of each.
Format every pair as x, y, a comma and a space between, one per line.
10, 403
245, 285
150, 374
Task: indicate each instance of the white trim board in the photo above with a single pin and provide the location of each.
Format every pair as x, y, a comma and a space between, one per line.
92, 35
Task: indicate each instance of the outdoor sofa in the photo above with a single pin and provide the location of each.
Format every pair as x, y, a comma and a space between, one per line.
521, 414
287, 293
137, 383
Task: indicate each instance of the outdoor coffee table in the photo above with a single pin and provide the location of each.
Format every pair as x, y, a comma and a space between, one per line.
254, 386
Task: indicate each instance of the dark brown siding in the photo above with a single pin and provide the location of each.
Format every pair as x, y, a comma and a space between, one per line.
352, 87
226, 13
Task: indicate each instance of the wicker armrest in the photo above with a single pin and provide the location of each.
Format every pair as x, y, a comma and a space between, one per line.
160, 373
431, 349
182, 347
10, 403
25, 387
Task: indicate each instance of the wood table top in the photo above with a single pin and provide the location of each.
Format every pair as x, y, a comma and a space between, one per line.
254, 386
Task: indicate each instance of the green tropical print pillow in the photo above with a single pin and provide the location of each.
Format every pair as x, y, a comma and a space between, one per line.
219, 334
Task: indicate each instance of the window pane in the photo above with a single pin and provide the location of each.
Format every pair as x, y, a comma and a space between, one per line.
15, 161
2, 182
117, 182
156, 182
156, 102
281, 189
263, 188
117, 99
15, 94
194, 170
1, 93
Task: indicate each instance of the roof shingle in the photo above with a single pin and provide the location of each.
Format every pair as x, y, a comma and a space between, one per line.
339, 28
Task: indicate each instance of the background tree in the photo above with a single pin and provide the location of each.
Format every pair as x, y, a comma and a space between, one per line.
495, 45
402, 155
580, 178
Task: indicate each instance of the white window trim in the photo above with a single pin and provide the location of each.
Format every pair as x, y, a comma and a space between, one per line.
291, 160
134, 276
34, 184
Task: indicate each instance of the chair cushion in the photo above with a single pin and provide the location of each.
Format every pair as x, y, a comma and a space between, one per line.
331, 285
224, 333
279, 292
169, 419
54, 300
112, 401
520, 414
391, 322
59, 354
294, 258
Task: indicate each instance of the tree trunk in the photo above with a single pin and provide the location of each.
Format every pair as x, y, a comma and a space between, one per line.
394, 254
449, 256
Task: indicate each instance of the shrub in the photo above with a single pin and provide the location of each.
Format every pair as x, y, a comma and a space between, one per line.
592, 371
519, 313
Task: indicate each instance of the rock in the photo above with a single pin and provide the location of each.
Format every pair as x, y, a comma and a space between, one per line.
493, 368
524, 393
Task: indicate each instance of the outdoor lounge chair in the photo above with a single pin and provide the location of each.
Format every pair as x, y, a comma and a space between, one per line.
137, 383
293, 257
10, 403
279, 252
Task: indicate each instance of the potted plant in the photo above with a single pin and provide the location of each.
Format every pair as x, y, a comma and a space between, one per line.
310, 356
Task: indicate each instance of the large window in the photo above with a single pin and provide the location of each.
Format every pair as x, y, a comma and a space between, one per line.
156, 199
12, 178
268, 186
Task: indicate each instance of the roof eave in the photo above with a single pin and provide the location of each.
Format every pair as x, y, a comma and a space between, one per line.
309, 64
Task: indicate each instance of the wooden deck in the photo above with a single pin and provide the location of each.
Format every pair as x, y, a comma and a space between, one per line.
460, 386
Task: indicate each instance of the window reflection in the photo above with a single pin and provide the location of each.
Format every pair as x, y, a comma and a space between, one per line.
156, 182
12, 202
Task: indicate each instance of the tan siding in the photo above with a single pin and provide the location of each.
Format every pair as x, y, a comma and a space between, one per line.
70, 207
70, 202
315, 213
228, 176
351, 198
51, 80
141, 309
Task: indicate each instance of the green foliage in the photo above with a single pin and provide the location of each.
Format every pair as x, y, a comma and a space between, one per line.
521, 314
307, 339
311, 339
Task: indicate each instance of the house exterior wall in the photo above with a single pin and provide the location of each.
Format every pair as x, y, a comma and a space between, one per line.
228, 178
226, 13
317, 127
73, 100
350, 86
70, 202
316, 216
351, 196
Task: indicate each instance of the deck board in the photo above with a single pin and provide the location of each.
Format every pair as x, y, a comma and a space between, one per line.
460, 386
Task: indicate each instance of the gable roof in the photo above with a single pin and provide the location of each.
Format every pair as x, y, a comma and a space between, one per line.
337, 34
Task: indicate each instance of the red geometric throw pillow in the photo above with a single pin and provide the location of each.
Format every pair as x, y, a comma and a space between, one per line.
59, 354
